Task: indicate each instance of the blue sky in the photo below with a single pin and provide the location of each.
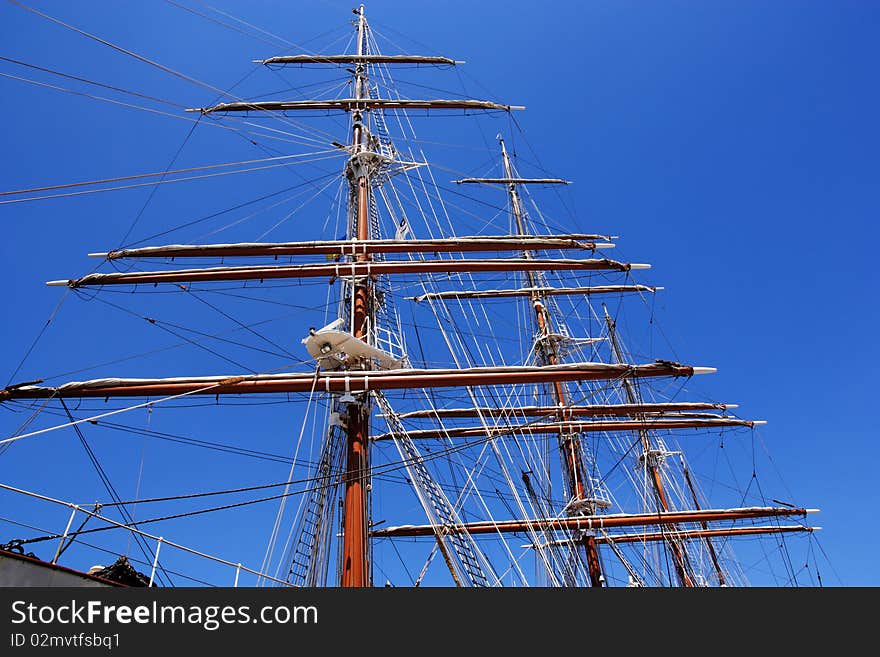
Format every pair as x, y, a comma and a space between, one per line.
733, 145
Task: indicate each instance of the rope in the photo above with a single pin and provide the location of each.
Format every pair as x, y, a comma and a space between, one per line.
105, 480
273, 536
92, 82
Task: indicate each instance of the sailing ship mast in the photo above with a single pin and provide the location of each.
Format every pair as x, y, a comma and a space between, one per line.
355, 551
546, 346
354, 372
650, 457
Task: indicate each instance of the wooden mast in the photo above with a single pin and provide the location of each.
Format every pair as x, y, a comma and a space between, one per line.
678, 554
568, 442
706, 535
355, 564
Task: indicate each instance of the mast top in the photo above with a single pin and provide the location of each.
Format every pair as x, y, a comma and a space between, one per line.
360, 57
510, 179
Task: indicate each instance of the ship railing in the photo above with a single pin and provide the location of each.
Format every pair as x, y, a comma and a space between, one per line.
159, 540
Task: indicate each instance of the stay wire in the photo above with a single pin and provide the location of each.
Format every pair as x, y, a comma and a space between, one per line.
39, 336
102, 474
222, 23
162, 326
161, 179
70, 76
124, 51
392, 467
231, 209
154, 174
239, 323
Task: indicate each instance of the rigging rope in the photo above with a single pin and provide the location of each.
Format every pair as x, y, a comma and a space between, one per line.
130, 53
92, 82
102, 474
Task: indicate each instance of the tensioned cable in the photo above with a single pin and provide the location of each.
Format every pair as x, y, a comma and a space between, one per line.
233, 208
214, 124
152, 193
195, 343
221, 23
332, 154
215, 336
188, 393
247, 217
188, 440
130, 53
390, 468
240, 324
232, 449
92, 82
140, 475
379, 471
273, 536
156, 174
258, 29
108, 100
318, 192
24, 425
39, 335
108, 485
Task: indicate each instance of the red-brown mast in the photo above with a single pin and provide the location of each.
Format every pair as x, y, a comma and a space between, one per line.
706, 533
569, 444
355, 565
679, 556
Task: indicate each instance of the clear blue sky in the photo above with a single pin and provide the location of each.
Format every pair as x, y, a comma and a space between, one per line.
733, 145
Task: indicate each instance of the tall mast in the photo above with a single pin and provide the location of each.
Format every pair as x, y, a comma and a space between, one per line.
719, 571
568, 442
355, 565
649, 455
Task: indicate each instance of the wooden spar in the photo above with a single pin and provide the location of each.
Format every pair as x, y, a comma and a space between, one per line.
532, 291
304, 382
569, 444
356, 104
576, 427
596, 522
343, 269
358, 59
358, 247
513, 181
706, 534
355, 520
572, 411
